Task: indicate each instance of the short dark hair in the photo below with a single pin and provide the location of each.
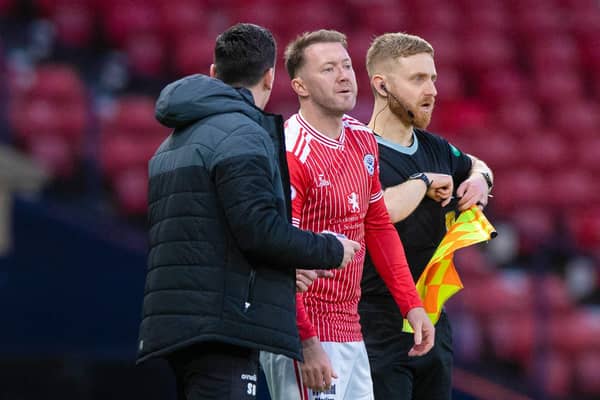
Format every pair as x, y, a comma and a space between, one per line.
243, 53
294, 53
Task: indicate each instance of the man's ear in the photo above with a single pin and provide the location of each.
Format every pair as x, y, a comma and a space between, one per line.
299, 87
212, 71
269, 78
378, 83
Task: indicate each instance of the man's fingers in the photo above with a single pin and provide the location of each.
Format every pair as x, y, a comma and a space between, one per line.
327, 372
418, 336
324, 273
446, 202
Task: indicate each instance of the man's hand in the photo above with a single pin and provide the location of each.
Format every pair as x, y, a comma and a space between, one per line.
424, 331
316, 369
305, 277
473, 190
350, 249
441, 188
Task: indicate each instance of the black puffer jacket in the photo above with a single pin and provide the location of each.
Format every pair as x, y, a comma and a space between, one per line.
222, 251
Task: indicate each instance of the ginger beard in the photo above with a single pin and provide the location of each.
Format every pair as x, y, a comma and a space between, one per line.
409, 115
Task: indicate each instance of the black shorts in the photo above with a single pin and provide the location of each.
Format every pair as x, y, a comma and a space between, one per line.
215, 371
395, 374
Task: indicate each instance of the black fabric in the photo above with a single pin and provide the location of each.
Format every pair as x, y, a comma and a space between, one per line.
393, 371
222, 252
396, 375
215, 371
422, 231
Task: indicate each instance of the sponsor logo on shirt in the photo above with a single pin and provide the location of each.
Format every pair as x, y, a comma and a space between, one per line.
369, 162
321, 181
328, 394
250, 386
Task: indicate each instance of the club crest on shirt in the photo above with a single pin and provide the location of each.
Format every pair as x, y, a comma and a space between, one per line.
353, 202
369, 162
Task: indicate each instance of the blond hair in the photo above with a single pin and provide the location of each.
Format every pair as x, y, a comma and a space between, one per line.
391, 46
294, 52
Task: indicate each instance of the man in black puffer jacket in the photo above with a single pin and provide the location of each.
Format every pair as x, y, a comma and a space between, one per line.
220, 284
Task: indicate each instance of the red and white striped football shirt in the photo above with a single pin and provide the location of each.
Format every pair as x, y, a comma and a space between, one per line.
335, 187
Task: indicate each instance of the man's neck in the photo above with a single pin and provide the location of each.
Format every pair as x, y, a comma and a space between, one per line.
329, 125
389, 126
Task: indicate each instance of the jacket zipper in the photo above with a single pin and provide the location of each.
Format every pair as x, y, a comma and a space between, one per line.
249, 294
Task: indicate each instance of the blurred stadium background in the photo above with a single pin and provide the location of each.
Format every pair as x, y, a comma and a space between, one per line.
519, 86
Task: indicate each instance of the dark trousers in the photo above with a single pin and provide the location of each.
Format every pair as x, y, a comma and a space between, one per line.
398, 376
215, 371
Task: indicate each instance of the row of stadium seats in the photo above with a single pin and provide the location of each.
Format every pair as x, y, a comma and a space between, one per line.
162, 36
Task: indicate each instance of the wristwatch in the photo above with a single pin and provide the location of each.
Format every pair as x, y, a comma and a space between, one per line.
488, 180
422, 176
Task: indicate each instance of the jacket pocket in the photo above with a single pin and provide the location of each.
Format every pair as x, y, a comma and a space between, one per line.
250, 291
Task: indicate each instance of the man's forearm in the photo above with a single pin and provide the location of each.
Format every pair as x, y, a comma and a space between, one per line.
401, 200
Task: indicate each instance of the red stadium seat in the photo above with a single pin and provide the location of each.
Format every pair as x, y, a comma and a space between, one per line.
193, 54
379, 16
131, 188
57, 83
447, 50
584, 225
582, 19
587, 365
571, 188
587, 150
519, 117
490, 15
282, 87
535, 225
555, 295
576, 119
264, 13
74, 23
462, 115
450, 85
183, 17
590, 52
527, 188
54, 154
558, 86
556, 51
125, 18
441, 15
503, 85
519, 344
146, 53
6, 6
135, 116
484, 52
312, 15
534, 22
545, 151
553, 375
500, 151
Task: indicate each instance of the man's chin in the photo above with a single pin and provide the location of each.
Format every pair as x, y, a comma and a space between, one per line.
422, 122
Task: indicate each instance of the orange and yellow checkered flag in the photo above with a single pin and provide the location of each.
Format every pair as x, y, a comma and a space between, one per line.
440, 281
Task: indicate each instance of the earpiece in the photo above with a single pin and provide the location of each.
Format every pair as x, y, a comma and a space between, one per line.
410, 114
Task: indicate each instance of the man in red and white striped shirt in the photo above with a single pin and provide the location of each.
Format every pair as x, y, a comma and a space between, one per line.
334, 175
